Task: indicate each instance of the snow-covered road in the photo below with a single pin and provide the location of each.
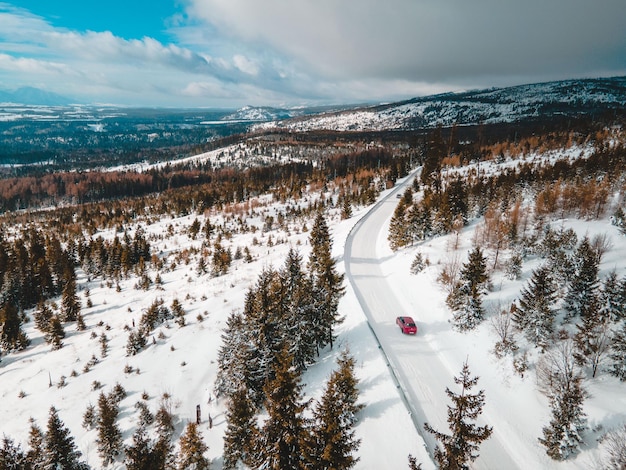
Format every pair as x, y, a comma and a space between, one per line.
421, 367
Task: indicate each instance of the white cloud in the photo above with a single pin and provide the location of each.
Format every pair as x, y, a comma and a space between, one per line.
307, 51
31, 66
245, 65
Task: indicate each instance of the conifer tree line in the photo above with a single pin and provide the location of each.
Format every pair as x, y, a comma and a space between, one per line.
55, 447
35, 268
447, 201
288, 317
290, 308
210, 186
288, 438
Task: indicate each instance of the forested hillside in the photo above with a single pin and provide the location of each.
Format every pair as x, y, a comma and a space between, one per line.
131, 295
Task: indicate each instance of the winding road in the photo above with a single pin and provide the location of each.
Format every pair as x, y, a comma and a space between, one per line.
421, 371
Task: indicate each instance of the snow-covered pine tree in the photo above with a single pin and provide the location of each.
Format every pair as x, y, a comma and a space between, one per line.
561, 380
109, 436
465, 299
55, 334
612, 299
35, 455
419, 221
419, 263
461, 446
11, 455
563, 436
192, 449
299, 313
535, 311
413, 465
592, 339
178, 311
580, 299
399, 228
43, 314
164, 422
241, 430
332, 443
284, 435
59, 450
617, 353
328, 282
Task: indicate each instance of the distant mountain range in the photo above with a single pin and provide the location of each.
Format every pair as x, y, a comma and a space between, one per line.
496, 105
33, 97
267, 113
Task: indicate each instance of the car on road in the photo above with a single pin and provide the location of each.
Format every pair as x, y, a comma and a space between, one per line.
407, 325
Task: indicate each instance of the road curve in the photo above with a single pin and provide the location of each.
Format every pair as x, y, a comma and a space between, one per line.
420, 370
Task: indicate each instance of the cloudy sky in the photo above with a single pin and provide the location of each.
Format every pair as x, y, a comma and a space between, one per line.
229, 53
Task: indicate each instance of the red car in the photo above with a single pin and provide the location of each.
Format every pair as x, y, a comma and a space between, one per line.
407, 325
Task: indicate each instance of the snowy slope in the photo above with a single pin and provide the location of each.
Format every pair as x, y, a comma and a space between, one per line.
572, 97
182, 363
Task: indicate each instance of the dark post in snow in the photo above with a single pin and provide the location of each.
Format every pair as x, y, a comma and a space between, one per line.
198, 415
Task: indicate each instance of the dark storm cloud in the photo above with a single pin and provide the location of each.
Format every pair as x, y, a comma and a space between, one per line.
453, 41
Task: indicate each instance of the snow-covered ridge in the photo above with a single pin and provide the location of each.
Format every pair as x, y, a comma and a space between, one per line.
571, 97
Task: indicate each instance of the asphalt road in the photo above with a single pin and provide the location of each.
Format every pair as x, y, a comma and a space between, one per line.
421, 371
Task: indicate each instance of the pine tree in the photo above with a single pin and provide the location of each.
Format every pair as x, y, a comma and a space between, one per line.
58, 447
298, 310
435, 152
164, 421
141, 455
43, 315
399, 228
618, 353
456, 194
55, 333
70, 303
612, 302
535, 313
461, 447
241, 430
327, 281
332, 441
346, 208
35, 455
413, 465
465, 299
90, 417
562, 437
283, 435
580, 299
11, 456
192, 450
179, 312
12, 337
592, 340
109, 435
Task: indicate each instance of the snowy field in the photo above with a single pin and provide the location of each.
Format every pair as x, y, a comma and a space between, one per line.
181, 362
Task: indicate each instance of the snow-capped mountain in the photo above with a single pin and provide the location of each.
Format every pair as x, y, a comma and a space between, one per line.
33, 96
536, 101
